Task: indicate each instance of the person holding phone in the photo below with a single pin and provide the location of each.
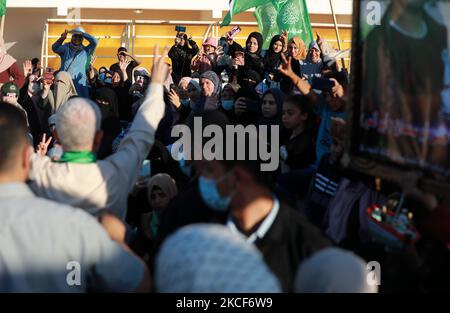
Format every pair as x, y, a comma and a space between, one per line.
74, 57
249, 62
131, 61
181, 54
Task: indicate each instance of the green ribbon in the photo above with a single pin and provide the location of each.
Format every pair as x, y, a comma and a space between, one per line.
81, 157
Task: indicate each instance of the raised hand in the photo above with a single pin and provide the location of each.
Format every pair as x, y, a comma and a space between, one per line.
174, 98
27, 68
124, 64
43, 145
160, 69
286, 68
319, 38
64, 35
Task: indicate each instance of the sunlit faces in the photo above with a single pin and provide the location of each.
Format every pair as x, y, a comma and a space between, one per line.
315, 55
277, 46
252, 45
293, 50
207, 87
293, 116
269, 106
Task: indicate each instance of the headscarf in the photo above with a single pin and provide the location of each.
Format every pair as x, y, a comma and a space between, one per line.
333, 270
165, 183
108, 95
195, 82
209, 258
63, 90
272, 59
5, 59
279, 98
212, 76
302, 52
259, 39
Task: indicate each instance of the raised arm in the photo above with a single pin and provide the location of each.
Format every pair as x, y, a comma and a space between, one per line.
58, 47
136, 145
302, 85
92, 42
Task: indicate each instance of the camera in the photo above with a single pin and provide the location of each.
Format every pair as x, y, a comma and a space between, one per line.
180, 29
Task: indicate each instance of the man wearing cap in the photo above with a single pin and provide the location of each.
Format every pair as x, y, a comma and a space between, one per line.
74, 57
10, 94
50, 247
78, 178
124, 56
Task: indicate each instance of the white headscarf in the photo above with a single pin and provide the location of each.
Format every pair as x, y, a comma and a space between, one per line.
209, 258
333, 270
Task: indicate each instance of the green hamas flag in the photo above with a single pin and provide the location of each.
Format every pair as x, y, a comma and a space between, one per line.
2, 7
293, 17
239, 6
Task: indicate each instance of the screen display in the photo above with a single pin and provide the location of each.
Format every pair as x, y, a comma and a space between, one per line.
404, 94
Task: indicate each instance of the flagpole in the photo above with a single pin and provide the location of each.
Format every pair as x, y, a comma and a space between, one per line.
337, 31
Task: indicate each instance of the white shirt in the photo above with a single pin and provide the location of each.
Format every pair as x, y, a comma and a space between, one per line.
106, 183
263, 228
38, 238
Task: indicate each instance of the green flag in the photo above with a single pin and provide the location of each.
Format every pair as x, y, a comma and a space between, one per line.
2, 7
293, 17
239, 6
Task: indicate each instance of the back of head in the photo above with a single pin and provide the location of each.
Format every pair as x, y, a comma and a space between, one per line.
13, 134
209, 258
333, 270
78, 120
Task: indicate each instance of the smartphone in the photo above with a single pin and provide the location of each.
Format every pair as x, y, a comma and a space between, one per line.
234, 31
180, 29
49, 75
324, 84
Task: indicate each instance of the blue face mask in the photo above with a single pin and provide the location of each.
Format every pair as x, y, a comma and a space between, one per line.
102, 77
108, 81
210, 194
185, 102
227, 104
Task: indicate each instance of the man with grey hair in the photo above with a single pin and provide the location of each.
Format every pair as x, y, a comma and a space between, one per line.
80, 180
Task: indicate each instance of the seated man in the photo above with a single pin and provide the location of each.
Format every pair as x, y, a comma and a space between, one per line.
47, 246
77, 178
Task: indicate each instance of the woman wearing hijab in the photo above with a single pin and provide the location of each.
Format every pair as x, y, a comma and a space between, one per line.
107, 101
249, 69
211, 87
298, 52
272, 59
9, 71
181, 55
63, 90
161, 189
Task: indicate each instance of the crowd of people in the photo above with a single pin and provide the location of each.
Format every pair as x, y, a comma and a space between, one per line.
87, 176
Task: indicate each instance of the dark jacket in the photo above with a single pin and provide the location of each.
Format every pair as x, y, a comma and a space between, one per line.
289, 240
181, 60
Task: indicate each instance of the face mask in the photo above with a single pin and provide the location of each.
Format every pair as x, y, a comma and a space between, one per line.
210, 194
108, 81
185, 102
102, 76
227, 104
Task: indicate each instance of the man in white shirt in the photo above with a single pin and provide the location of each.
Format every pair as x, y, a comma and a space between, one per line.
50, 247
77, 179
